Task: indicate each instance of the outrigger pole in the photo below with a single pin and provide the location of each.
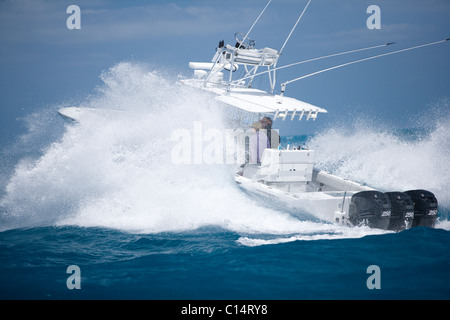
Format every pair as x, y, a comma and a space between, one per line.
254, 23
282, 48
314, 59
293, 28
283, 85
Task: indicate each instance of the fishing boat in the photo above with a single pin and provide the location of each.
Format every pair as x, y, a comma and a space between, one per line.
288, 176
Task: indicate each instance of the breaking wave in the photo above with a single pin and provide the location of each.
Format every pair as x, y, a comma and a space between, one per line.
117, 172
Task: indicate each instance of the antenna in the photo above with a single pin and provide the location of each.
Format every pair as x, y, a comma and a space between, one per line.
283, 85
298, 20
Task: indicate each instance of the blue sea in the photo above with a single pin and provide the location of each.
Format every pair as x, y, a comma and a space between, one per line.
211, 263
99, 210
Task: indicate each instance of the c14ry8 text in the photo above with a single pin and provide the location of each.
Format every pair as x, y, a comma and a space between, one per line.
229, 309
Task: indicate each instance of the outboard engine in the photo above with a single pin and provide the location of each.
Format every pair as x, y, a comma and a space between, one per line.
402, 211
425, 207
371, 208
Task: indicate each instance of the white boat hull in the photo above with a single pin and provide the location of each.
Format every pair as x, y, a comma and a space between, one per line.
329, 206
287, 179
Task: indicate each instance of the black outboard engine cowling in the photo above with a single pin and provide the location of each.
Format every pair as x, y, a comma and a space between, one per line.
371, 208
402, 211
425, 207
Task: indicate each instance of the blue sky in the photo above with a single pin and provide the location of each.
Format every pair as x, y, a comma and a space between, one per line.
42, 63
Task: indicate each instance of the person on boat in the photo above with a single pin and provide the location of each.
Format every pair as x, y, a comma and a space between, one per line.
264, 137
258, 142
272, 135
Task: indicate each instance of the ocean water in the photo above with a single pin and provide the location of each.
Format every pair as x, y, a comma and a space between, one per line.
105, 195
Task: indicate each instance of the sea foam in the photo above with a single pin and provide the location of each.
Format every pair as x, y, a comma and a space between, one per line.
117, 172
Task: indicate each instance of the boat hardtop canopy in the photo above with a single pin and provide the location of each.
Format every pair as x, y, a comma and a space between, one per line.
239, 92
259, 101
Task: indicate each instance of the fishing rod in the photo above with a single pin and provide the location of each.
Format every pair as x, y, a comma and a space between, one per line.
314, 59
283, 85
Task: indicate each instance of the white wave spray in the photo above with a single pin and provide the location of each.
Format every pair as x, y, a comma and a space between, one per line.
117, 172
388, 159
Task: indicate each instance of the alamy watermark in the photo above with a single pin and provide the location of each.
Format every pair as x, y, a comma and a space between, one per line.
74, 20
74, 280
221, 146
374, 21
374, 280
